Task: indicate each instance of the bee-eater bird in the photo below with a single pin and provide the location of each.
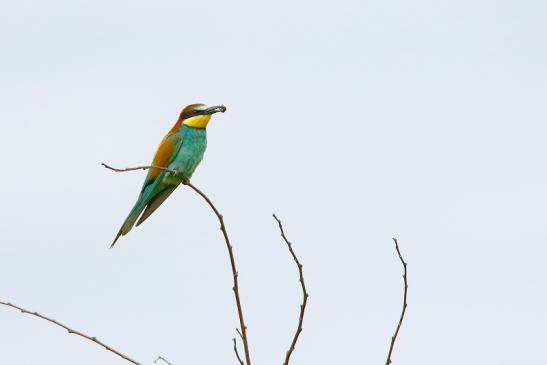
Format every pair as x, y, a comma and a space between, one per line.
181, 150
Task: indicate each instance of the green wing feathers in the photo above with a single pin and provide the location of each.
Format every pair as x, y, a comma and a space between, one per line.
156, 202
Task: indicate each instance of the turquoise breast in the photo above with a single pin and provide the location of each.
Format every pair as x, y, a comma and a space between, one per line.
190, 154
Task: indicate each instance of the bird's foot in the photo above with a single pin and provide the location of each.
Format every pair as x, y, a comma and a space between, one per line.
185, 181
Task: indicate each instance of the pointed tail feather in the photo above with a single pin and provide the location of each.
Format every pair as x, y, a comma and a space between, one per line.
130, 220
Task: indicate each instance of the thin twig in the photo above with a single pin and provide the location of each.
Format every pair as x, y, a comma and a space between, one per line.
139, 168
235, 288
239, 333
162, 359
305, 294
72, 331
237, 353
394, 337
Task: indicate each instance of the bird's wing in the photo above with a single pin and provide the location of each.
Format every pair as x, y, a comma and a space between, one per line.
155, 192
165, 154
155, 202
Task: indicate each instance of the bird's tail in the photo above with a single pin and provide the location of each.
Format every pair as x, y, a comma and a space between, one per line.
130, 220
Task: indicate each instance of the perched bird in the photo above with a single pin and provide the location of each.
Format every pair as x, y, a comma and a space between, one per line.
180, 150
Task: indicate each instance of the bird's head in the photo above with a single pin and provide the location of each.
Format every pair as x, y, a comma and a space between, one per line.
199, 115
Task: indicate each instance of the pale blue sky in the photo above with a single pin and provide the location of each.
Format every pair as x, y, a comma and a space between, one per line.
354, 121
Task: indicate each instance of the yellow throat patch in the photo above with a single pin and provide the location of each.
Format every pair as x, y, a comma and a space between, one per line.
199, 121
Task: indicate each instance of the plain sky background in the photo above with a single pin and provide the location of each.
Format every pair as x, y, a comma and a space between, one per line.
354, 121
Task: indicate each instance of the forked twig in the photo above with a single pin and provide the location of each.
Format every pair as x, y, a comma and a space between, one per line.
235, 288
394, 337
305, 294
162, 359
72, 331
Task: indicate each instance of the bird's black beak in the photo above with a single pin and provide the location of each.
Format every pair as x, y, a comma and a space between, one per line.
214, 109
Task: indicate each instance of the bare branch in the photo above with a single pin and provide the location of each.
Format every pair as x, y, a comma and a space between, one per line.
162, 359
394, 337
305, 294
234, 271
139, 168
236, 352
72, 331
235, 288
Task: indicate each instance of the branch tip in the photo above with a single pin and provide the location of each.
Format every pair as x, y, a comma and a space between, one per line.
162, 359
